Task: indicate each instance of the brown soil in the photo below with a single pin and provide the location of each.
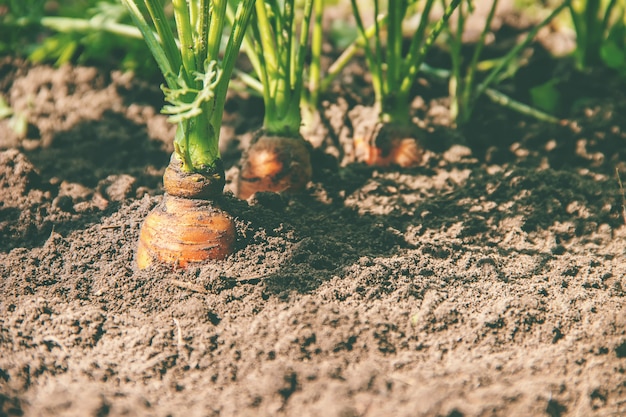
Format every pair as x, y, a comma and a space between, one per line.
488, 282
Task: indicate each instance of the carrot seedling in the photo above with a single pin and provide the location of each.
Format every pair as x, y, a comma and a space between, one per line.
319, 81
467, 85
188, 225
278, 158
315, 79
393, 73
599, 27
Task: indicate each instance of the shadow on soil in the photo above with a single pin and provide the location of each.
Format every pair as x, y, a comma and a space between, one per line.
74, 177
93, 150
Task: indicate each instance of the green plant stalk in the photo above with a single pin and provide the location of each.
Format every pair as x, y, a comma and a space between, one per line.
184, 27
496, 97
378, 50
280, 54
591, 29
197, 80
506, 60
156, 45
249, 48
393, 86
456, 79
374, 64
166, 36
275, 72
310, 96
461, 86
72, 24
324, 81
348, 54
299, 53
200, 23
414, 62
315, 67
506, 101
318, 82
470, 77
394, 45
463, 90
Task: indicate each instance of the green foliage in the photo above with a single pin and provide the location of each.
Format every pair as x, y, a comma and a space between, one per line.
196, 73
16, 32
613, 49
470, 79
546, 96
186, 101
276, 44
393, 69
83, 32
599, 26
196, 51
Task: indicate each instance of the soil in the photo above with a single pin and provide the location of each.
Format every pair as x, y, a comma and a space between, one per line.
490, 281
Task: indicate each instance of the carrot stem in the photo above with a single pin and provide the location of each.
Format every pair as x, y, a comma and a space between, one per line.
393, 73
197, 78
277, 46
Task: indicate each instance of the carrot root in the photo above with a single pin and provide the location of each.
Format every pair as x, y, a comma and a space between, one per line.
275, 163
187, 227
181, 231
392, 145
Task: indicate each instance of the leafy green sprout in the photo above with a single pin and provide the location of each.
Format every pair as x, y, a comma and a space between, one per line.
466, 87
276, 44
394, 71
319, 81
595, 23
316, 80
196, 75
18, 122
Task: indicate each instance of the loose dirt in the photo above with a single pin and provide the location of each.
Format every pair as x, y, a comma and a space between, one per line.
488, 282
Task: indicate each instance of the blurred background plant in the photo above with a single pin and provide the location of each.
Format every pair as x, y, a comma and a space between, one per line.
18, 32
472, 76
94, 32
600, 27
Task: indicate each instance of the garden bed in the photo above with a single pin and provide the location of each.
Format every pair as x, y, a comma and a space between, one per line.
489, 281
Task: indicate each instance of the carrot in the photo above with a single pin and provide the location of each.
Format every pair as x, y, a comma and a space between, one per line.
275, 163
394, 66
188, 225
391, 145
181, 230
278, 159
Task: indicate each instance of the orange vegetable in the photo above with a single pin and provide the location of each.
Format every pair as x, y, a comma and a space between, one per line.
275, 163
392, 145
182, 229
